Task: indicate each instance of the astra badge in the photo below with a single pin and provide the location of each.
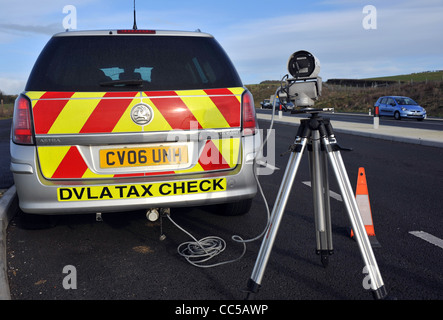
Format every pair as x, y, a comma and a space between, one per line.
142, 114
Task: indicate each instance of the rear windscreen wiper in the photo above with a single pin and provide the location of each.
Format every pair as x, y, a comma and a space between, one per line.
122, 83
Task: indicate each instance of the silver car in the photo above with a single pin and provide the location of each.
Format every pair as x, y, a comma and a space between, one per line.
123, 120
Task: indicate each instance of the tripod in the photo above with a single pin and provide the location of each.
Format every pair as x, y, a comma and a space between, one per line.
318, 134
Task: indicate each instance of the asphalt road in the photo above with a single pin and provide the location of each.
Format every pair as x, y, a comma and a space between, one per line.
123, 258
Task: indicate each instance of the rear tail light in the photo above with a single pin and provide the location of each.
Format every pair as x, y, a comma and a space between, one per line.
21, 127
249, 121
136, 31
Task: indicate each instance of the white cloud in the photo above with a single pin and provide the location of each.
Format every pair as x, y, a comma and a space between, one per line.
20, 28
35, 11
43, 16
339, 40
12, 86
407, 38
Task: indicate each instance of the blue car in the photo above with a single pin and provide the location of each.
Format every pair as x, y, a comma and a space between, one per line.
400, 107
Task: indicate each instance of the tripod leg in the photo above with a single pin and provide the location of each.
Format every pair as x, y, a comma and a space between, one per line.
276, 216
327, 205
320, 192
337, 164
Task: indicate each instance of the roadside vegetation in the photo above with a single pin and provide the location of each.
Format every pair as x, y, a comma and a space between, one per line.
6, 105
425, 88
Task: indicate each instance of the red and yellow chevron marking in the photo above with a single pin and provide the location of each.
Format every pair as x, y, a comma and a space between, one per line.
109, 112
67, 162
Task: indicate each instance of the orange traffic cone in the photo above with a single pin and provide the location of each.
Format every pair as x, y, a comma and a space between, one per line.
364, 206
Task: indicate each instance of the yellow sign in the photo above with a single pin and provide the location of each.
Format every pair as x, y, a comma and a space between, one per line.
149, 156
149, 190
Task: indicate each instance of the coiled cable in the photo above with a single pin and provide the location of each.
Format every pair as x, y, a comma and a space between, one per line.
198, 252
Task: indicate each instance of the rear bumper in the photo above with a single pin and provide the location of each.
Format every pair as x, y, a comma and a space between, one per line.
40, 196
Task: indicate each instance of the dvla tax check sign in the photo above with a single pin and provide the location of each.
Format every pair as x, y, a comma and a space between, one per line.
117, 192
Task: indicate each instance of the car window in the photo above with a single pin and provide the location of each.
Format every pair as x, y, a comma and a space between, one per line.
389, 101
122, 63
406, 102
383, 100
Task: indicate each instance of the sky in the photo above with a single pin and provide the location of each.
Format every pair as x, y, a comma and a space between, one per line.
351, 38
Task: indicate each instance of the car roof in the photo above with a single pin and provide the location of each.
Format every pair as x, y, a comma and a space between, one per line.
394, 97
132, 32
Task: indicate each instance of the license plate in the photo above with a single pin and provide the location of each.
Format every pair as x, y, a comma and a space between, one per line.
143, 156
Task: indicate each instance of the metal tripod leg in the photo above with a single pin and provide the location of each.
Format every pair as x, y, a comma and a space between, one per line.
320, 192
321, 134
276, 216
338, 167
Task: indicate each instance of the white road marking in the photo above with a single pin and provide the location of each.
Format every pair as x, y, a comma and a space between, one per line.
428, 237
332, 194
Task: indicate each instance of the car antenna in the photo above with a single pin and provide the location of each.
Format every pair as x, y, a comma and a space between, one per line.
135, 23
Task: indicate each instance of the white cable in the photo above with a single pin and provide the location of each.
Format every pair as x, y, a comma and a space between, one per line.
203, 250
200, 251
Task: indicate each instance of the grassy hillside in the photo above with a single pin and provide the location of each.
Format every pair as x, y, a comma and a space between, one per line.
263, 90
6, 105
425, 88
428, 95
6, 110
414, 77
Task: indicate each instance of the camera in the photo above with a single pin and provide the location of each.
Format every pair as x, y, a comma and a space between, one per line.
303, 64
305, 86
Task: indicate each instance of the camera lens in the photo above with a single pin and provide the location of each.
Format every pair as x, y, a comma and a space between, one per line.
301, 64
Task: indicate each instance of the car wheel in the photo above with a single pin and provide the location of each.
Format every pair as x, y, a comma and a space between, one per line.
397, 115
237, 208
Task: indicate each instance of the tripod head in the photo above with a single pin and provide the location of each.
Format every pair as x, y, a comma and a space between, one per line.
305, 85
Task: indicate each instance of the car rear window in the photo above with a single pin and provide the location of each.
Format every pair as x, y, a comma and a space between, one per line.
129, 63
